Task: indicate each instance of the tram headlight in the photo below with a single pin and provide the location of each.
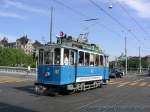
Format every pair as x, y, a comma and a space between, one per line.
47, 74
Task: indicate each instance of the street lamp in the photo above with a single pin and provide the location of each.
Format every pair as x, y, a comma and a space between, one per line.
126, 58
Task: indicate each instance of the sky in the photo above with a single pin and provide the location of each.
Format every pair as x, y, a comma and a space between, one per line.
126, 18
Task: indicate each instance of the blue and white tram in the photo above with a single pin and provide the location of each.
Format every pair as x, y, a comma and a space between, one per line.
68, 68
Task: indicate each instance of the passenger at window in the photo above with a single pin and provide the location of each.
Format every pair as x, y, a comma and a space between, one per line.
57, 60
66, 61
80, 61
86, 62
72, 59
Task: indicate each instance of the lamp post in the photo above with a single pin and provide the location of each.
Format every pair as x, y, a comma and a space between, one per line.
126, 57
51, 25
140, 59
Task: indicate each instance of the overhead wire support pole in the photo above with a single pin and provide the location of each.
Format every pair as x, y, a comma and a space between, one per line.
126, 59
140, 59
51, 25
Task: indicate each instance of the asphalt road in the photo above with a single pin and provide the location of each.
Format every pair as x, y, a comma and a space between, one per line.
129, 94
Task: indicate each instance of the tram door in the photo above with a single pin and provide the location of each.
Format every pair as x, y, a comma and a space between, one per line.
73, 63
69, 69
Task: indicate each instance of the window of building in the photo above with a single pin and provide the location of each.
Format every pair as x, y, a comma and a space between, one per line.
81, 58
87, 58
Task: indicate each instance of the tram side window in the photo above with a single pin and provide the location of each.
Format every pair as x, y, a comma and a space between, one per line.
92, 59
81, 58
101, 60
97, 60
87, 58
66, 56
57, 56
72, 58
41, 56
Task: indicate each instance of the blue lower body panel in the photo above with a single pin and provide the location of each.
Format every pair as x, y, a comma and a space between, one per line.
63, 75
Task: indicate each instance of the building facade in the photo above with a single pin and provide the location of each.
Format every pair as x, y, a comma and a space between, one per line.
25, 44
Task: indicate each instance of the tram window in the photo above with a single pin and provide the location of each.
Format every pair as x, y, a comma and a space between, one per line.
92, 59
72, 56
106, 61
87, 58
81, 58
41, 56
57, 56
101, 60
48, 57
66, 56
97, 60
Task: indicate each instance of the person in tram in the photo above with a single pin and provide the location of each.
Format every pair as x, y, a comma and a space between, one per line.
66, 60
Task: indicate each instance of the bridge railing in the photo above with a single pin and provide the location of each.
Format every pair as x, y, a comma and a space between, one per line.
19, 70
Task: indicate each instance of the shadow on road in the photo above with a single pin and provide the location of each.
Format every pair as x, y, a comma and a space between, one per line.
11, 108
28, 89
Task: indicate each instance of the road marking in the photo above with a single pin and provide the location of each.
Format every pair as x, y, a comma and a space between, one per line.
22, 80
123, 84
6, 79
117, 82
133, 84
142, 84
138, 80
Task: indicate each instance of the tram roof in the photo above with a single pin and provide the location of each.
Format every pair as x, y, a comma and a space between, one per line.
70, 47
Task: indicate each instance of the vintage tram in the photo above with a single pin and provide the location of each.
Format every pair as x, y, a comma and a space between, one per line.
70, 65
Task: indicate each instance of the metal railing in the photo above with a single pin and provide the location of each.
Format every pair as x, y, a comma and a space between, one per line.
137, 71
18, 70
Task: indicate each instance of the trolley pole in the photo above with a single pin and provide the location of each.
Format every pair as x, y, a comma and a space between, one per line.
140, 59
51, 25
126, 60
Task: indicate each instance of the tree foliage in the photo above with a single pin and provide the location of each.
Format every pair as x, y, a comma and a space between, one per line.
15, 57
132, 63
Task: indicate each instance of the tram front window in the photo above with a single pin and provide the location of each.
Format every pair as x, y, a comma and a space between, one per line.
41, 56
57, 56
48, 57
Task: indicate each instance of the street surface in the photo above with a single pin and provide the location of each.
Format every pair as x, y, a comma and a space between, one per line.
128, 94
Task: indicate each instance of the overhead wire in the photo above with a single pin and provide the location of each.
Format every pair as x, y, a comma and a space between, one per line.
85, 16
114, 19
134, 20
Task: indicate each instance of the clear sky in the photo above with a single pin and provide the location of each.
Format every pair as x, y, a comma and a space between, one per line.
32, 17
